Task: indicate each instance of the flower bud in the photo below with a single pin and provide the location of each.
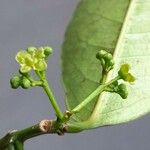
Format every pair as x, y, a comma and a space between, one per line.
114, 85
25, 83
47, 51
111, 62
15, 82
31, 49
106, 59
108, 56
122, 91
101, 54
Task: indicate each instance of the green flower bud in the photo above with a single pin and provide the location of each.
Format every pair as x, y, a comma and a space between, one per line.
23, 73
47, 51
101, 54
106, 59
31, 49
122, 91
111, 63
108, 56
114, 85
15, 82
25, 83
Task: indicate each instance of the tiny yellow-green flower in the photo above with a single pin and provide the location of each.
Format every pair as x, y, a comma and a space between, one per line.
124, 73
29, 61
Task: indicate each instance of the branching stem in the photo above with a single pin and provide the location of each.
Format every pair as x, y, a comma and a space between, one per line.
104, 76
50, 95
15, 140
98, 91
35, 59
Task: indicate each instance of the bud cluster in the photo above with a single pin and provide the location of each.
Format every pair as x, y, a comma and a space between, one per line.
106, 60
107, 63
30, 59
17, 81
120, 89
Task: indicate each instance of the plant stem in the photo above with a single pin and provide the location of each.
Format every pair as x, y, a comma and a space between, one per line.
98, 91
18, 145
88, 99
50, 95
16, 139
104, 76
60, 126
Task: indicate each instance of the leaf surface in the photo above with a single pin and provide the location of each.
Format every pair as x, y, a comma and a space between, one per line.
123, 28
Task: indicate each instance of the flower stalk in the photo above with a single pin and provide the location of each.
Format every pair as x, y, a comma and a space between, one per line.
35, 59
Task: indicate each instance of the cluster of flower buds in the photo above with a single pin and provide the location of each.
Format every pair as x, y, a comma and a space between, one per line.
30, 59
17, 81
107, 63
106, 60
123, 74
33, 58
120, 89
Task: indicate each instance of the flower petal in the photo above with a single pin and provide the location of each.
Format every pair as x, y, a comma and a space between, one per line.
39, 54
25, 68
124, 69
29, 61
21, 56
40, 65
130, 78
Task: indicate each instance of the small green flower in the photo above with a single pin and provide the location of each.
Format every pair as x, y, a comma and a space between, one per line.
39, 53
31, 59
124, 73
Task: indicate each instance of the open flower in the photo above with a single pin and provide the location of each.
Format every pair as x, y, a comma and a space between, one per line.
31, 60
124, 73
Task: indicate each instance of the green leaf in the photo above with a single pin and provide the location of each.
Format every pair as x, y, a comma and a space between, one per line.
122, 27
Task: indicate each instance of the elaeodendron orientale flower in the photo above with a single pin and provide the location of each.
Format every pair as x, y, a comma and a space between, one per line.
32, 58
